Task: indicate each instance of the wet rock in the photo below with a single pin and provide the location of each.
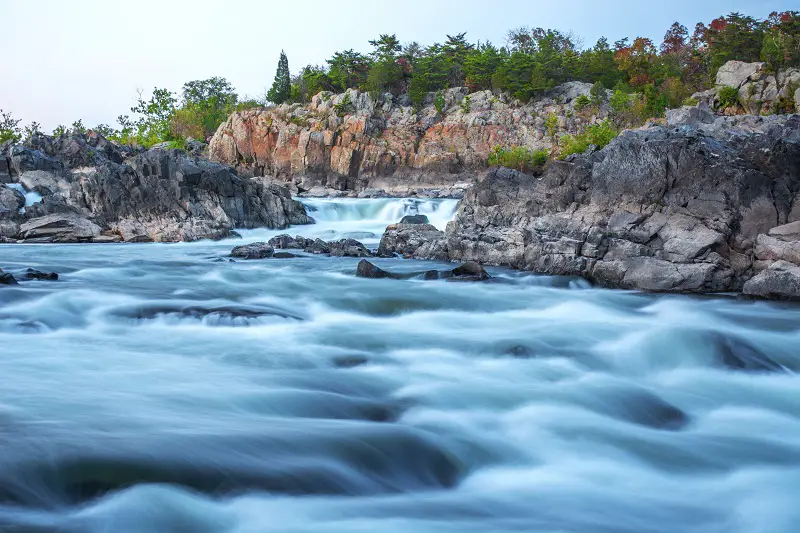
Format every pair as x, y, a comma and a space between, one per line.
6, 278
35, 274
366, 269
414, 219
283, 255
348, 248
64, 227
780, 281
284, 242
469, 271
317, 246
413, 241
256, 250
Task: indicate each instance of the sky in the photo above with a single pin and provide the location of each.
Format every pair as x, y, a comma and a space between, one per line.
77, 59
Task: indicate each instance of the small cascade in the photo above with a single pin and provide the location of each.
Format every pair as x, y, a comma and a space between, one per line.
31, 197
383, 211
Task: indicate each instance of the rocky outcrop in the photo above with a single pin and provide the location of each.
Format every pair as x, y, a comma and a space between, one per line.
690, 208
96, 191
759, 90
354, 142
469, 271
413, 241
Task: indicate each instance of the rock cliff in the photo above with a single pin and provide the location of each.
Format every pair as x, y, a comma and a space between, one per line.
92, 190
758, 90
354, 142
703, 207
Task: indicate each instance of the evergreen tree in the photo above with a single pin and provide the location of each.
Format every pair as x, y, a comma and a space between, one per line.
282, 86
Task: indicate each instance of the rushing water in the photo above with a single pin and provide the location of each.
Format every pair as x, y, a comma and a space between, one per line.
155, 388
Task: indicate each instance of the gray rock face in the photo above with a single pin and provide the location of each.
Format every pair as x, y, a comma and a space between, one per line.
11, 201
256, 250
59, 228
348, 248
690, 209
419, 241
780, 281
154, 195
758, 88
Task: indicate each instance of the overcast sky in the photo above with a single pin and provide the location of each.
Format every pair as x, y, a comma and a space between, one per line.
70, 59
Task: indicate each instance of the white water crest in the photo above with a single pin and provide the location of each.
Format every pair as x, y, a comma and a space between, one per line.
362, 219
162, 388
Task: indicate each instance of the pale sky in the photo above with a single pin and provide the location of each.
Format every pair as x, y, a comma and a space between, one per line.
70, 59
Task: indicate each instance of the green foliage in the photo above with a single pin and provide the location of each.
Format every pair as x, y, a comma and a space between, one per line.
728, 97
598, 135
31, 130
439, 102
345, 106
581, 102
9, 128
520, 158
465, 104
205, 105
690, 101
280, 91
598, 93
551, 125
619, 102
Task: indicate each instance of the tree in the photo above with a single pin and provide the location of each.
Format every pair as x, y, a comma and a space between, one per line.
386, 73
780, 49
480, 65
9, 128
205, 105
386, 47
282, 85
154, 123
735, 36
348, 69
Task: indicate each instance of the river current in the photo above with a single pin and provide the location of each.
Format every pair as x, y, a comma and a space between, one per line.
162, 388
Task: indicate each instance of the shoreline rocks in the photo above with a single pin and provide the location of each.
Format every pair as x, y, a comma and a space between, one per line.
705, 207
95, 191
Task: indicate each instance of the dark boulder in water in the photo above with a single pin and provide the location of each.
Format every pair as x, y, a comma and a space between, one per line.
283, 255
227, 315
284, 242
35, 274
7, 279
348, 248
469, 271
317, 246
349, 361
256, 250
414, 219
366, 269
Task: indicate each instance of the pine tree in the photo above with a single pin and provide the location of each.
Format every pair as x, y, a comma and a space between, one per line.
282, 86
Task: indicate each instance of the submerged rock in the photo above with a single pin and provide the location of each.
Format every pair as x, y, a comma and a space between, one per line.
469, 271
35, 274
256, 250
7, 279
348, 248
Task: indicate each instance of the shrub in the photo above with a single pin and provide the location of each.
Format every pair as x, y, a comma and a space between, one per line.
465, 104
581, 102
551, 125
728, 97
598, 93
690, 101
9, 128
345, 106
520, 158
599, 135
438, 102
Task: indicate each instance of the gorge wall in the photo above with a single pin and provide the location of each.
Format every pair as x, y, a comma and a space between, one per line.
354, 142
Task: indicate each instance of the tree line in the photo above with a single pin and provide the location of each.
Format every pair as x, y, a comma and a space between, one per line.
646, 77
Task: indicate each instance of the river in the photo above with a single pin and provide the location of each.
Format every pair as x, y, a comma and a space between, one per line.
161, 388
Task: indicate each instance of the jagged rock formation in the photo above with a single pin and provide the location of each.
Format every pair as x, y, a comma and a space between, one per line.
95, 191
354, 142
758, 89
691, 208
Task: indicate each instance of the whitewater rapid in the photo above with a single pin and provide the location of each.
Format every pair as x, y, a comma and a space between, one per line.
162, 388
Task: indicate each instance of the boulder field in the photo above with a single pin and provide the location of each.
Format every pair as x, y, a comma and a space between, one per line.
92, 190
704, 204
